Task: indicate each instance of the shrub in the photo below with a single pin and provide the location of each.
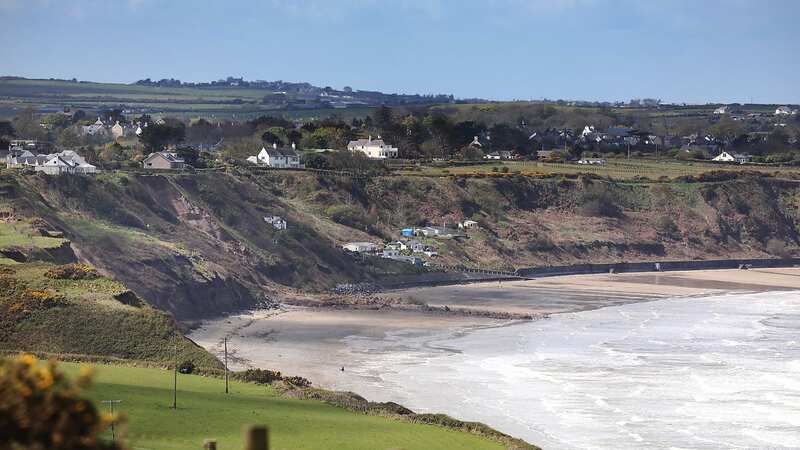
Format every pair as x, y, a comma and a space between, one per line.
73, 272
505, 169
778, 248
41, 409
666, 226
258, 376
297, 382
598, 202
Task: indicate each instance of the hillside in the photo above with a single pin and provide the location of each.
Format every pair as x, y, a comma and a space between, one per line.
72, 311
196, 245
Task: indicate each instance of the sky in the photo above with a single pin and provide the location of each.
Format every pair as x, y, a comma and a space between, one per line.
693, 51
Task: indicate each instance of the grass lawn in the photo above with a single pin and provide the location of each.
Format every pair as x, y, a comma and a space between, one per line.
205, 411
21, 235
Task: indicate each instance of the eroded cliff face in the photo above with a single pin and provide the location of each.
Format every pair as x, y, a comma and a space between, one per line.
197, 245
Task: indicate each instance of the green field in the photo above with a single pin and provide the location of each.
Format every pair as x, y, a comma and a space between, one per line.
186, 102
205, 411
621, 168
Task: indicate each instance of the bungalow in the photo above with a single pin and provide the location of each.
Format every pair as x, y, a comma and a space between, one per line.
280, 158
163, 161
56, 165
467, 224
783, 111
415, 246
735, 157
493, 155
376, 149
441, 232
394, 245
360, 247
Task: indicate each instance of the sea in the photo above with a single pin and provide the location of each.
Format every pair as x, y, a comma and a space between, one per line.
718, 372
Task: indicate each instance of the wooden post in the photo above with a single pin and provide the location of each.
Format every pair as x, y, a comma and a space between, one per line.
255, 437
209, 444
226, 364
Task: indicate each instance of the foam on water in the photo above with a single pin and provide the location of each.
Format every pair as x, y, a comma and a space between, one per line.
700, 373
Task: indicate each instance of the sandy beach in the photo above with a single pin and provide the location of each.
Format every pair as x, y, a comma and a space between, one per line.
317, 342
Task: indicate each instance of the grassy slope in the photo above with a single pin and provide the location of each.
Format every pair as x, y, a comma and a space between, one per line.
89, 322
204, 411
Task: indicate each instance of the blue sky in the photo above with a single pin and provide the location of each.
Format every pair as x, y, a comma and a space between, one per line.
676, 50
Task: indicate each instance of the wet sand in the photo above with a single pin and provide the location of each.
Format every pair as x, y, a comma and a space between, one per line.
317, 343
572, 293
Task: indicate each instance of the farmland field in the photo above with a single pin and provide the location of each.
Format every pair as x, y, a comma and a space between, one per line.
187, 102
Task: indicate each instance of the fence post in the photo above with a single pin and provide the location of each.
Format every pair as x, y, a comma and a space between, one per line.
255, 437
209, 444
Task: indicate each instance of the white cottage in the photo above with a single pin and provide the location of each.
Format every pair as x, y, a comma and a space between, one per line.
376, 149
281, 158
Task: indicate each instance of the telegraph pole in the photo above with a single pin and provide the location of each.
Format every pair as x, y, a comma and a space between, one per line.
110, 404
225, 343
175, 376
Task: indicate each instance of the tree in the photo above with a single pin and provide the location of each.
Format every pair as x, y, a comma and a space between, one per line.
271, 138
156, 136
441, 130
68, 138
27, 126
6, 129
188, 154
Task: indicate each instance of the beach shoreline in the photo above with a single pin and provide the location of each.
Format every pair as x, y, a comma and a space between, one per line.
315, 341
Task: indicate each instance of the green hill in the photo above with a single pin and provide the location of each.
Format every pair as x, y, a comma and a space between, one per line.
205, 411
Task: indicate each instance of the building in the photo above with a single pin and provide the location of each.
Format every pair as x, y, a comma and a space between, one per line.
280, 158
79, 164
413, 260
31, 145
783, 111
725, 109
277, 222
163, 161
735, 157
467, 224
376, 149
360, 247
95, 129
117, 130
407, 232
23, 159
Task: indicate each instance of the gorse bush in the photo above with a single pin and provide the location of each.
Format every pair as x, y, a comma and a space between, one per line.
73, 272
40, 409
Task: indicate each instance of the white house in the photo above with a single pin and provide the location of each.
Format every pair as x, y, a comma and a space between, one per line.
735, 157
277, 222
55, 165
77, 161
723, 110
360, 247
783, 111
281, 158
376, 149
467, 224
